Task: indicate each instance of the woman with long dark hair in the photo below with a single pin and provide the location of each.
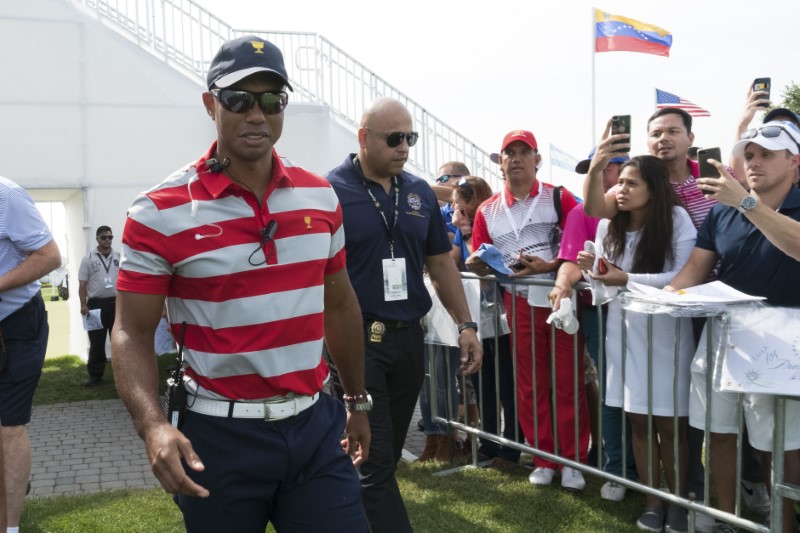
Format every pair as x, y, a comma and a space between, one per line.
648, 242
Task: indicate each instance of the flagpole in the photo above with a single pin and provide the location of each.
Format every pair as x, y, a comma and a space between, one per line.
593, 34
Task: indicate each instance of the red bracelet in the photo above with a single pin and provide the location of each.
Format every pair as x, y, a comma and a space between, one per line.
355, 398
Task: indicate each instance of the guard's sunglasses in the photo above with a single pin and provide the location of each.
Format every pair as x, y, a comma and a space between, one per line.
395, 138
444, 177
271, 102
770, 131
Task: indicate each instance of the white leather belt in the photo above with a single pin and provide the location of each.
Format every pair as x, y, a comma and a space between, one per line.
267, 410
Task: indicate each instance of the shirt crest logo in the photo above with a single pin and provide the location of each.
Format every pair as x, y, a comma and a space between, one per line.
307, 220
414, 201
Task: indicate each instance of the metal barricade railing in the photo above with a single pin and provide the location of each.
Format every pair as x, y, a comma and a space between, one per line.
778, 487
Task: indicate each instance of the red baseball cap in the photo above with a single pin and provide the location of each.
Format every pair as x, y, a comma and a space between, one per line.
519, 135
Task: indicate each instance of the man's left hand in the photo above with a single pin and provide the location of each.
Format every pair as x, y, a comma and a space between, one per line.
533, 264
357, 437
725, 189
471, 351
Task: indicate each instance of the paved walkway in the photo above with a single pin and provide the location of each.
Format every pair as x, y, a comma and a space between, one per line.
83, 447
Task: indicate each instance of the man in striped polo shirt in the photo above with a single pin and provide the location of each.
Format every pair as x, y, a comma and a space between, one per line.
248, 252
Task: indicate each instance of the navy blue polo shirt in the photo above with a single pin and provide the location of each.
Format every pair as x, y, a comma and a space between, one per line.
419, 232
749, 262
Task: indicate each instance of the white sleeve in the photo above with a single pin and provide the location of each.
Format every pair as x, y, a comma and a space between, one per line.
683, 239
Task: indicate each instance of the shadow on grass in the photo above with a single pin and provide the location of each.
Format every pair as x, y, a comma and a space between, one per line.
485, 500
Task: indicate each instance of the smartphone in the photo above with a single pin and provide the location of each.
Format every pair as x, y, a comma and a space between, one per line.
621, 124
602, 267
762, 84
516, 267
707, 170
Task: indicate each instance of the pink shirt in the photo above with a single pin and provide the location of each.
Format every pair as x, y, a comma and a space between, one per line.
578, 229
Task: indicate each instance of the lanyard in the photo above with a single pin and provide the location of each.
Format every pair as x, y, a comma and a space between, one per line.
527, 215
377, 204
110, 259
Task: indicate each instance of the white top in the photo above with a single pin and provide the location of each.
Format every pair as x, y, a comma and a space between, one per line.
633, 396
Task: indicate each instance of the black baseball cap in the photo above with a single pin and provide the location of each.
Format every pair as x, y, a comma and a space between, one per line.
239, 58
782, 112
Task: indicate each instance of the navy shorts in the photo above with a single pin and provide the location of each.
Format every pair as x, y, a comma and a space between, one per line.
290, 472
24, 334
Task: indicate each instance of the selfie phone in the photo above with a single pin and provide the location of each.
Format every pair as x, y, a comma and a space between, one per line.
762, 84
516, 267
621, 124
707, 170
602, 267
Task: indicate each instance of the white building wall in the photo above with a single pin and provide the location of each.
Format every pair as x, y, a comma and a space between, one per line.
90, 119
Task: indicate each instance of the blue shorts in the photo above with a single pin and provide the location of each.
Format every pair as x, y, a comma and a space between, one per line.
24, 334
290, 472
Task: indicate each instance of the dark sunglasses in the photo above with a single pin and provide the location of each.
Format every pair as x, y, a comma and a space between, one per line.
395, 138
770, 131
271, 102
105, 237
444, 177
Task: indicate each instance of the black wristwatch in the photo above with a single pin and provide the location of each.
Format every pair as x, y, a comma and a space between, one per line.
466, 325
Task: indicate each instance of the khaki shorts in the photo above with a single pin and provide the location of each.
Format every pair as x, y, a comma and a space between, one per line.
758, 408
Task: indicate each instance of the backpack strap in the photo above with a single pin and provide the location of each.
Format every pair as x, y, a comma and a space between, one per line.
557, 202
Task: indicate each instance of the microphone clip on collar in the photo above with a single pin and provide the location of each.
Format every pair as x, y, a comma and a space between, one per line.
217, 166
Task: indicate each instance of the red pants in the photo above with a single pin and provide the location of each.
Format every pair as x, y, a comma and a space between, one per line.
540, 435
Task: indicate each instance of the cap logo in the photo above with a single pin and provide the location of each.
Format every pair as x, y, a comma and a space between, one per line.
258, 46
518, 133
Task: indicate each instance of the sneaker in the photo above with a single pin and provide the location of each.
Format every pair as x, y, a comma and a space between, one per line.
756, 497
572, 479
704, 523
652, 519
542, 476
612, 492
677, 520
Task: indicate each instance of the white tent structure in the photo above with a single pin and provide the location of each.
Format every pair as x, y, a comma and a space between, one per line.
101, 100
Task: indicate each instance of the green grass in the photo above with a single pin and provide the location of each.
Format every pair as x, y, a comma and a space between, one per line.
470, 501
62, 380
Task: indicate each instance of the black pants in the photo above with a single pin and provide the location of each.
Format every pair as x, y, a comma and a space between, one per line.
393, 375
97, 338
496, 381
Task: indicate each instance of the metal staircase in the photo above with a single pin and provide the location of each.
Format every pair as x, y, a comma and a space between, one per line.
186, 36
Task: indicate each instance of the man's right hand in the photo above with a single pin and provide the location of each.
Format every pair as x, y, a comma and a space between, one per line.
166, 446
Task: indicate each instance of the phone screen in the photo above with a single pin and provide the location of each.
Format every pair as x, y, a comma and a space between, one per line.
621, 124
762, 84
707, 170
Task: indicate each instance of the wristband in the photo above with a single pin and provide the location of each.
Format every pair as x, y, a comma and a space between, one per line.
467, 325
355, 398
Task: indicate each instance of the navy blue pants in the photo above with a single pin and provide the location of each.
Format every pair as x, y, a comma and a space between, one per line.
96, 364
292, 473
25, 333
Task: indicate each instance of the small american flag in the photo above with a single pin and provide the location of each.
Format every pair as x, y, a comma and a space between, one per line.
665, 99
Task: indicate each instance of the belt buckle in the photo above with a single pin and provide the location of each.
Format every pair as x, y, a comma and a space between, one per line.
267, 412
376, 331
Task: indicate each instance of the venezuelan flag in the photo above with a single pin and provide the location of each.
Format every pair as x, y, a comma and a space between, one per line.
615, 33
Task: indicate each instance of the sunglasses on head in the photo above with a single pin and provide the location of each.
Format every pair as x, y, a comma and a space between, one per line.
271, 102
395, 138
444, 177
106, 237
770, 131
